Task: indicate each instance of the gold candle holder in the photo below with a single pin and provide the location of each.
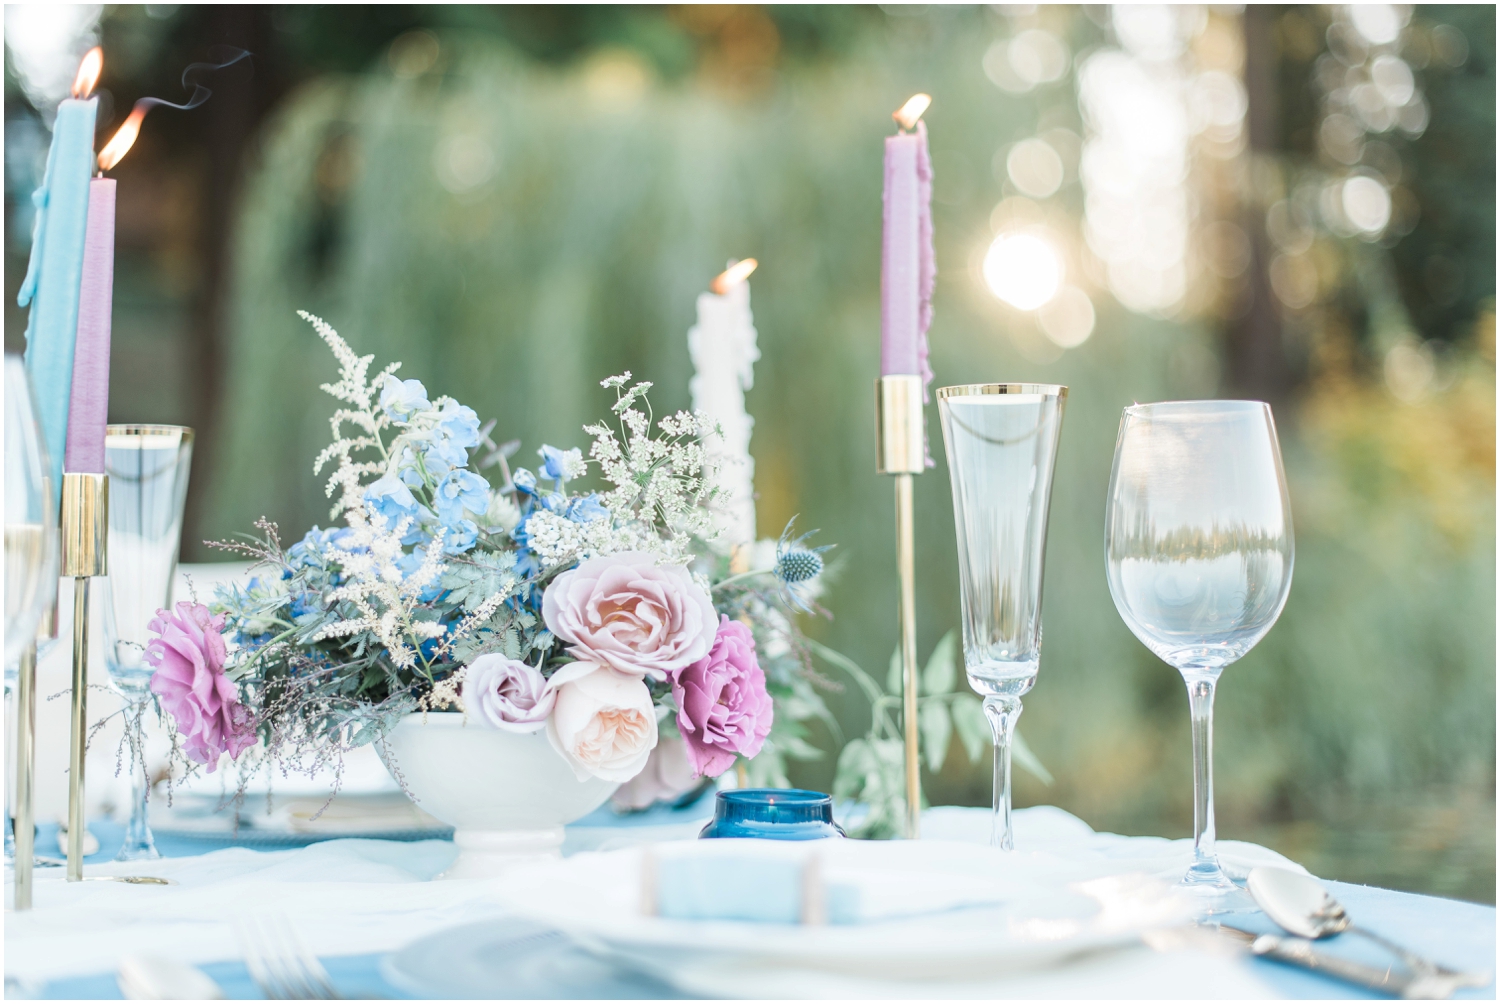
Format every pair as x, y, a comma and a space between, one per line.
900, 450
85, 537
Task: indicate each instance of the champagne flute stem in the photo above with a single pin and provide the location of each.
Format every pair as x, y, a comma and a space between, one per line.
1002, 712
138, 845
1205, 866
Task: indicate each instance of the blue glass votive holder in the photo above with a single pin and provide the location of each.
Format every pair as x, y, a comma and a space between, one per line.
772, 814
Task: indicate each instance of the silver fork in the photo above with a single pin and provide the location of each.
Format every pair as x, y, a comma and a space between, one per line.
280, 963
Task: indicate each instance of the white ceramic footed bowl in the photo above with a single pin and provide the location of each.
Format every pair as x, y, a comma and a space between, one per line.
507, 795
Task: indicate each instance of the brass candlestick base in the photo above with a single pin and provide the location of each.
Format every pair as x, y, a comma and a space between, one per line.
85, 535
900, 449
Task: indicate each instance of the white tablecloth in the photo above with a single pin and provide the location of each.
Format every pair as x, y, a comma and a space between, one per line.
351, 897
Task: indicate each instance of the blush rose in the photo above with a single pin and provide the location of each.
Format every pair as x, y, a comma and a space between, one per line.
631, 614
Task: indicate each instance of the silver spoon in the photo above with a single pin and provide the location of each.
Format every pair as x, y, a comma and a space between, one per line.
1301, 905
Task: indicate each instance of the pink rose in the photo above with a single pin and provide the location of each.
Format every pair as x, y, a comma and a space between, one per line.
631, 614
604, 723
723, 708
188, 653
505, 694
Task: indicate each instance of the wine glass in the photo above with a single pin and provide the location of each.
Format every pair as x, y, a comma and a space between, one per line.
30, 517
31, 555
1001, 441
1198, 535
148, 468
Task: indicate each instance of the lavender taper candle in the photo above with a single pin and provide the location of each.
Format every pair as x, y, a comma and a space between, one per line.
907, 266
88, 407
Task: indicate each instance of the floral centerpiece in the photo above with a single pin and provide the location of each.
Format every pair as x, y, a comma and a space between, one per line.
608, 618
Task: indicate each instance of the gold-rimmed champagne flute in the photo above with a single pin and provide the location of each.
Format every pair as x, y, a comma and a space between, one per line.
148, 467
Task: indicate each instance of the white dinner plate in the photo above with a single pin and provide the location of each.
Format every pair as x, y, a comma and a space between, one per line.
930, 910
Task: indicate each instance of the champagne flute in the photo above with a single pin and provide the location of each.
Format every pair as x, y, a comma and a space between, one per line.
148, 468
1001, 441
1198, 535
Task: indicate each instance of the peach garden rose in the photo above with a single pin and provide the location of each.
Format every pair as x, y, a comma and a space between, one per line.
603, 722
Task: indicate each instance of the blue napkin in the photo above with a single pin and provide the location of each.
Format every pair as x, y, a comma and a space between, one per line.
761, 890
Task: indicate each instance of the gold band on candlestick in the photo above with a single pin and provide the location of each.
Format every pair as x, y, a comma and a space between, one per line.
85, 525
900, 449
85, 547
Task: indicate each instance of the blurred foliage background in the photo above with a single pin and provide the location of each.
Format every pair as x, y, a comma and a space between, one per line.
1292, 203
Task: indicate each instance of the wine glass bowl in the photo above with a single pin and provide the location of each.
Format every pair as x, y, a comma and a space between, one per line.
1199, 530
1199, 554
1001, 442
31, 549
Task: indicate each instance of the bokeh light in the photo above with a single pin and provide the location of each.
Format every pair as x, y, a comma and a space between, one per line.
1023, 269
1379, 23
1068, 318
1366, 203
1035, 168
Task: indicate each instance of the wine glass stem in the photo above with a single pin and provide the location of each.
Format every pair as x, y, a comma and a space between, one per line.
1002, 713
1205, 857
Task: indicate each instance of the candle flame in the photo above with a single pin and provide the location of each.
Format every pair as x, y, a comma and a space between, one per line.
124, 138
908, 114
88, 72
735, 274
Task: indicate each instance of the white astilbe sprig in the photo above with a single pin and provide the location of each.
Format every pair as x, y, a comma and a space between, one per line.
363, 413
387, 600
663, 482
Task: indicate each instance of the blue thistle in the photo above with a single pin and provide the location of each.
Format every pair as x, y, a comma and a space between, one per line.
797, 564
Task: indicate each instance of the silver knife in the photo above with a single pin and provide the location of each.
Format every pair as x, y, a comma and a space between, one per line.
1300, 952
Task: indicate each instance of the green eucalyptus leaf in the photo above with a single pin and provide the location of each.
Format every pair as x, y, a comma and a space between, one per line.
1021, 754
893, 674
936, 729
973, 728
941, 669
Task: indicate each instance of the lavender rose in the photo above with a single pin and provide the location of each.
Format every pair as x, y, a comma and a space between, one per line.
188, 653
604, 723
723, 706
505, 694
631, 614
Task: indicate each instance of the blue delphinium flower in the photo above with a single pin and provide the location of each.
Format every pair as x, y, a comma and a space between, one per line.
402, 398
585, 509
460, 536
524, 480
461, 491
443, 453
315, 545
407, 469
561, 465
459, 424
391, 499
